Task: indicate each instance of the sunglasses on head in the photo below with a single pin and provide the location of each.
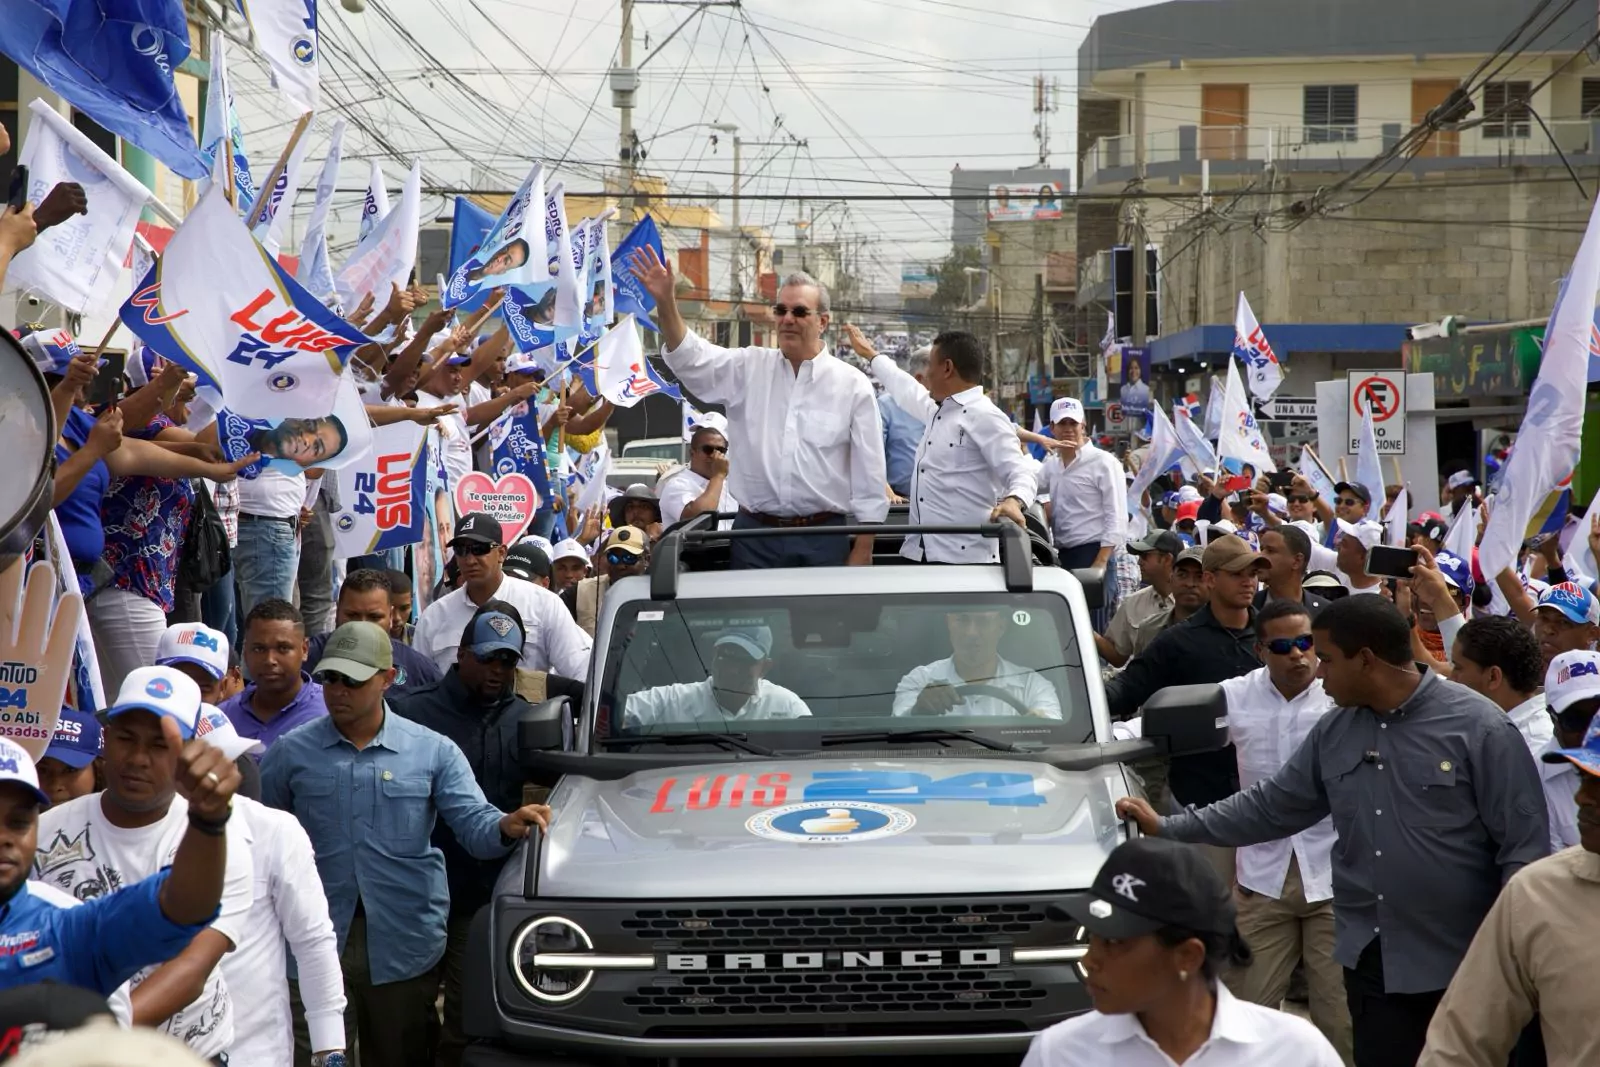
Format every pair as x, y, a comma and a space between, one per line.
799, 311
472, 548
714, 450
618, 558
1281, 646
343, 681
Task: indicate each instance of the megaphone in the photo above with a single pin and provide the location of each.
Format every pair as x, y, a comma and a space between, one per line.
27, 439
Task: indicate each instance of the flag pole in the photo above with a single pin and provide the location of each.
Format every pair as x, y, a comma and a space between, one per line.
100, 348
1343, 477
1317, 460
264, 191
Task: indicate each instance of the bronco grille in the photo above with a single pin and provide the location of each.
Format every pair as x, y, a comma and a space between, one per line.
852, 926
876, 994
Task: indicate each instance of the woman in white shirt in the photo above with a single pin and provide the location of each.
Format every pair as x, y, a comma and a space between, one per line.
1160, 924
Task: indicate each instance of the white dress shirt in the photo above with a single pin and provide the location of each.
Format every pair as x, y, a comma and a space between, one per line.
694, 702
1532, 720
554, 641
1088, 498
289, 904
1029, 687
1242, 1035
1560, 781
1267, 729
676, 490
809, 443
968, 462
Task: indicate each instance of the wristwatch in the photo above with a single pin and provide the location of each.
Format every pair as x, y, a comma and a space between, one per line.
329, 1059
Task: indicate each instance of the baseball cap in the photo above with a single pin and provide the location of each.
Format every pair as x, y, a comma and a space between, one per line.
1461, 479
36, 1015
1189, 510
755, 640
569, 549
494, 631
357, 650
1321, 580
1432, 526
1586, 757
527, 560
629, 539
1169, 500
1571, 599
166, 692
1277, 503
1359, 490
1366, 531
1230, 554
1571, 677
217, 730
1192, 554
1066, 407
51, 350
480, 527
77, 739
191, 642
1457, 572
17, 766
1188, 494
709, 420
1157, 541
1148, 883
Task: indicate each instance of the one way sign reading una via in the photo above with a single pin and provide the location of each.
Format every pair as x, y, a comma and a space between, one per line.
1288, 409
1384, 391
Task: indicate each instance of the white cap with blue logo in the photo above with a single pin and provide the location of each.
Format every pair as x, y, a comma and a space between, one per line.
17, 766
164, 691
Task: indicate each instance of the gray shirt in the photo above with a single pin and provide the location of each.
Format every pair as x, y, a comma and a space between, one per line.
1436, 804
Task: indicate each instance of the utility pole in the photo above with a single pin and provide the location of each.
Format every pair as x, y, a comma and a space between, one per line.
738, 232
1138, 239
624, 82
1041, 332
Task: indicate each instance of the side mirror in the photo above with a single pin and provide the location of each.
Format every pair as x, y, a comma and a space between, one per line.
1187, 719
1093, 580
544, 727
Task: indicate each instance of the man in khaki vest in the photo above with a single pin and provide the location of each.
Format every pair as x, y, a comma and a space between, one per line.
627, 552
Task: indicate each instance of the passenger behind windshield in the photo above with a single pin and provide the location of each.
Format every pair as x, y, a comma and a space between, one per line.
943, 687
737, 690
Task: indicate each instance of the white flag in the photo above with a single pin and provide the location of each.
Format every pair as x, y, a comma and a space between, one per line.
223, 136
1463, 535
1395, 521
376, 206
387, 254
1369, 471
621, 374
1215, 401
280, 199
1240, 437
1579, 560
314, 271
1194, 443
1251, 345
78, 263
1312, 472
1165, 453
286, 32
591, 474
1550, 439
509, 253
381, 496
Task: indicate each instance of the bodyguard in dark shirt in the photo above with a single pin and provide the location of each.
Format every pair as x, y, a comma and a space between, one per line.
1436, 803
1216, 643
367, 596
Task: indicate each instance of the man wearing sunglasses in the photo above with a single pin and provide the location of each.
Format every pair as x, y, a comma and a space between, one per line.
809, 432
627, 553
703, 485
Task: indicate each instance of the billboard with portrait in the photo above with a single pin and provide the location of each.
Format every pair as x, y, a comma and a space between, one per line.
1025, 201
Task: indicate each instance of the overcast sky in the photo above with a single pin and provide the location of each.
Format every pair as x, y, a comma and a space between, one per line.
887, 94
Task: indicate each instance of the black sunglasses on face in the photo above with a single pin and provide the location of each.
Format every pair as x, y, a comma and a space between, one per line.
501, 656
714, 450
1574, 720
1299, 500
1280, 646
472, 548
799, 311
1348, 501
343, 681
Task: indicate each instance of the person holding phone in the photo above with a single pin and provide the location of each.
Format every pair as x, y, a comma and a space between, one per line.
1355, 544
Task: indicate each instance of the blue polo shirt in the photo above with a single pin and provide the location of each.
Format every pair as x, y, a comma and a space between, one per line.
98, 945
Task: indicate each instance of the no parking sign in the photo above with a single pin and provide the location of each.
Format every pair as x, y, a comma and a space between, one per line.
1384, 391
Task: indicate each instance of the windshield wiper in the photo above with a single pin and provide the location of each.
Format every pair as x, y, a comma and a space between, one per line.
926, 734
737, 742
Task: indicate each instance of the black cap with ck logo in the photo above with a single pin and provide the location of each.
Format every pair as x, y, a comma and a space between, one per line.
1148, 883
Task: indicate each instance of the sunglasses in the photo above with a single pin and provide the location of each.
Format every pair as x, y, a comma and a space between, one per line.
799, 311
618, 558
1574, 720
472, 548
1299, 500
713, 450
1348, 501
343, 681
501, 656
1281, 646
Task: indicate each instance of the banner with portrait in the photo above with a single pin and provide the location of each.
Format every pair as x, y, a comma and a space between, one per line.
506, 255
297, 438
542, 313
382, 497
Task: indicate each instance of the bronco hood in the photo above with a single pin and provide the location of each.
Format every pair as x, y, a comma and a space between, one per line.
775, 828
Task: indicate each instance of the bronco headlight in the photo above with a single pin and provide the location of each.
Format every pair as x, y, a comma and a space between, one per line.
537, 959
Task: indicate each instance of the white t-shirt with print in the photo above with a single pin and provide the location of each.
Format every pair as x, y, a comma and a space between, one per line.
82, 853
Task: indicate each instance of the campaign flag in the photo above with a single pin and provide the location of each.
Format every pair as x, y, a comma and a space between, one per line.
1312, 472
382, 495
1215, 401
300, 435
517, 446
76, 264
376, 205
1166, 452
1369, 472
590, 476
114, 61
599, 302
1251, 346
280, 199
1194, 443
621, 373
314, 271
1549, 441
386, 255
87, 691
540, 314
286, 36
628, 297
468, 230
1395, 522
222, 138
1579, 558
1036, 450
1241, 440
509, 253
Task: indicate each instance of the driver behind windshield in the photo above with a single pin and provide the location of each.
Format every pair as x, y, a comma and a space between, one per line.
737, 690
958, 684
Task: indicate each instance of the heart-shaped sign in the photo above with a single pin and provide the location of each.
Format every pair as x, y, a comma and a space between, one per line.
510, 499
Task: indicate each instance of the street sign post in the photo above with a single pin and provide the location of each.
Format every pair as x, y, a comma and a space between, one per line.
1384, 391
1288, 409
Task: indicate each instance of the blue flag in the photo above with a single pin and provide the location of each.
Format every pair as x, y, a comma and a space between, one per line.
113, 60
629, 297
470, 226
517, 446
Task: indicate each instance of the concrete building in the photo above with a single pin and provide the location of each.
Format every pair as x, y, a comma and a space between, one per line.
971, 206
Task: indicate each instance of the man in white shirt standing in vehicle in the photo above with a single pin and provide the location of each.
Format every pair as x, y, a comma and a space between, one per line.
1285, 888
968, 468
810, 436
1088, 506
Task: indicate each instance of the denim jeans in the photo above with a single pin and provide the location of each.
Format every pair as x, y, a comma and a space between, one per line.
218, 608
544, 521
265, 562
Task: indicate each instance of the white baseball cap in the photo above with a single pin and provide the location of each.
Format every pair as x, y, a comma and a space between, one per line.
1368, 532
569, 549
1188, 494
543, 543
17, 766
1571, 677
709, 420
1460, 479
1066, 407
163, 690
191, 642
217, 730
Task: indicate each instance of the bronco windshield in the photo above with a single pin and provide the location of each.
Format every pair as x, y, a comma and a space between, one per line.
795, 671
